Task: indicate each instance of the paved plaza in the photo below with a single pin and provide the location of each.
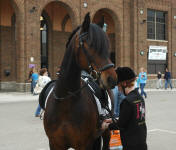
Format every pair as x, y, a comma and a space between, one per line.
20, 130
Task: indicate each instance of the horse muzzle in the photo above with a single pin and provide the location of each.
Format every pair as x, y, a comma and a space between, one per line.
111, 82
107, 83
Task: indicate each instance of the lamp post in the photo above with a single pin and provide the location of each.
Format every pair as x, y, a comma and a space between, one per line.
105, 27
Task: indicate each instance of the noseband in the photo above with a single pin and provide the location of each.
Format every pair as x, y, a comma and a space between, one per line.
89, 58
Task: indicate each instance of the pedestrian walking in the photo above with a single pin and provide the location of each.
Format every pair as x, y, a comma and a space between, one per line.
167, 77
142, 81
34, 78
131, 122
159, 81
30, 78
42, 81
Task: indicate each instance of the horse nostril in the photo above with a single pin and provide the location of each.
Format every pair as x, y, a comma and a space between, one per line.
111, 82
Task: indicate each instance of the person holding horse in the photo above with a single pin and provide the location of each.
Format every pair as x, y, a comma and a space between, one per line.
131, 122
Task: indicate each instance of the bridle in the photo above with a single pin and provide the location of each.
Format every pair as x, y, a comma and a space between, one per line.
91, 61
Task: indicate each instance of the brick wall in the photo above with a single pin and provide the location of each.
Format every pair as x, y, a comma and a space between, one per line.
58, 49
128, 33
8, 54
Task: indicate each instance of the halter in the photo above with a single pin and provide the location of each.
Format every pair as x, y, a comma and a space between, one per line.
91, 69
89, 58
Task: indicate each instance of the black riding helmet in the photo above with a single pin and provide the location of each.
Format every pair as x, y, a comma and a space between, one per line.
124, 73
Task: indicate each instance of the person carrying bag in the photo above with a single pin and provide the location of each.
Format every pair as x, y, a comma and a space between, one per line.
42, 81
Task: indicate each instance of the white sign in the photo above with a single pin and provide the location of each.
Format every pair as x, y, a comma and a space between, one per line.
157, 52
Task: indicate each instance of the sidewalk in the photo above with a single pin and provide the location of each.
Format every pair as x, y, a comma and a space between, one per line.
6, 97
159, 90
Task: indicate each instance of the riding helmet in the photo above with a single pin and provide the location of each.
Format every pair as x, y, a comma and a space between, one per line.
124, 73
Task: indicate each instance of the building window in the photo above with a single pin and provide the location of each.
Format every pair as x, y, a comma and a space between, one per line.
156, 25
153, 67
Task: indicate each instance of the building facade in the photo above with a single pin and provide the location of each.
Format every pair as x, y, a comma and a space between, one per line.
142, 33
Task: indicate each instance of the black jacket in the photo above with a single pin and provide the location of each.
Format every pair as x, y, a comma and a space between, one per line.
159, 76
133, 130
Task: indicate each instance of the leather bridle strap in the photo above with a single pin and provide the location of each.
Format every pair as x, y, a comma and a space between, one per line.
106, 67
88, 57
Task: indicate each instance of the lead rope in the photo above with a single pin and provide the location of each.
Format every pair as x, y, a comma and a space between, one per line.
110, 113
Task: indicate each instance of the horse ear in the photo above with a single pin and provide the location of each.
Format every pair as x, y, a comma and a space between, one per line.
86, 23
101, 22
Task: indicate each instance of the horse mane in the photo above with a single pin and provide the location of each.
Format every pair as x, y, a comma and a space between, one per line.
97, 40
71, 35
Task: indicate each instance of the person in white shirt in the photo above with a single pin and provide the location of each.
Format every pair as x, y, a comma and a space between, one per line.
42, 81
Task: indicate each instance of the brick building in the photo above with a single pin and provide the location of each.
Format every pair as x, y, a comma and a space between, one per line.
34, 32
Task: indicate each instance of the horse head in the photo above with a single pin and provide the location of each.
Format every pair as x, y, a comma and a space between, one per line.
92, 52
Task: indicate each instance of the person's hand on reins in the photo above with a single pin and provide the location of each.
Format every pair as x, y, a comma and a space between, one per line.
106, 123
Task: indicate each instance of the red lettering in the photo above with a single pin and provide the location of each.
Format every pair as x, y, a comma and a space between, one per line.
138, 113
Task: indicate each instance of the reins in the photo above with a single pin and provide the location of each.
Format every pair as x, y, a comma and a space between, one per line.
90, 61
110, 113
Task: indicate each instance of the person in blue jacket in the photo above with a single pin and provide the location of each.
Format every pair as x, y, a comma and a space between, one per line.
34, 78
167, 77
142, 81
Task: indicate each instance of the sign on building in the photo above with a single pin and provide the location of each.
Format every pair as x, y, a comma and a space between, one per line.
157, 52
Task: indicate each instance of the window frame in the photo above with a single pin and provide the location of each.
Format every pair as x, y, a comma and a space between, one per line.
156, 35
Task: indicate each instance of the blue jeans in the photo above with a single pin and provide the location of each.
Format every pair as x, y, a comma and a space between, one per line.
168, 82
32, 88
33, 84
142, 85
38, 110
118, 97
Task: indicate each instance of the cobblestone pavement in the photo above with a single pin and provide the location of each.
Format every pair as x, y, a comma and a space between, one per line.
20, 130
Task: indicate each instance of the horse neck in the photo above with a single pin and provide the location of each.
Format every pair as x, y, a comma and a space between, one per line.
69, 79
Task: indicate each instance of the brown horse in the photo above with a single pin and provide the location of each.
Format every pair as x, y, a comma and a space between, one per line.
71, 117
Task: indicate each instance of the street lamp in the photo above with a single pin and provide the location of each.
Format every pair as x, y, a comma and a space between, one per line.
105, 26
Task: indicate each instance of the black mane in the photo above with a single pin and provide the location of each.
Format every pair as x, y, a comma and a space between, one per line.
71, 35
96, 39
